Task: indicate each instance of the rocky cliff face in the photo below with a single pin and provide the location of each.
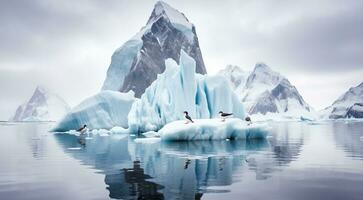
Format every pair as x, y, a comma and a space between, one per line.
136, 64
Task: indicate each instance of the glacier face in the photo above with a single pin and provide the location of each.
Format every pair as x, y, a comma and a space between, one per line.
136, 64
42, 106
265, 92
180, 89
349, 105
104, 110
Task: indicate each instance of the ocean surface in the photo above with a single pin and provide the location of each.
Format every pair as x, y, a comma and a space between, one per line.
299, 160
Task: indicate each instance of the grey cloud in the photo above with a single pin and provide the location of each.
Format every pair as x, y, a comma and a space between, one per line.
57, 42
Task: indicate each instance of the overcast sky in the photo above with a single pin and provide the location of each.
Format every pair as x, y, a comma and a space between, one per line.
67, 45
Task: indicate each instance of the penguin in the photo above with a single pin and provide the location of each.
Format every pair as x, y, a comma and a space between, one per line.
224, 115
248, 120
187, 117
82, 129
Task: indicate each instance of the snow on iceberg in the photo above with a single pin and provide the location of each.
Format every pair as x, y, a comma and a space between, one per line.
180, 89
104, 110
212, 129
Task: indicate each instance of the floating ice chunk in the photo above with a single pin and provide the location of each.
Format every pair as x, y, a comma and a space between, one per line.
101, 111
74, 148
147, 140
213, 129
101, 132
151, 134
119, 130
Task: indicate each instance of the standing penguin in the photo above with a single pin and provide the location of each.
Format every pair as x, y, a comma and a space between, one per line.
82, 129
187, 117
224, 115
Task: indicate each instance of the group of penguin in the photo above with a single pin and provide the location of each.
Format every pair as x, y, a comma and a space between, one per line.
188, 119
222, 114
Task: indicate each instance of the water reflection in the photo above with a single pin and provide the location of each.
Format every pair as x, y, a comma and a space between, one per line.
287, 142
348, 137
170, 170
132, 182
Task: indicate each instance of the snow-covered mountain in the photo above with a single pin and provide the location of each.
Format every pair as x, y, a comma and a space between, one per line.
42, 106
135, 65
349, 105
267, 93
236, 77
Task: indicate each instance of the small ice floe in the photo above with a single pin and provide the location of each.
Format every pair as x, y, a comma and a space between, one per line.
101, 132
74, 148
119, 130
151, 134
213, 129
269, 137
147, 140
88, 138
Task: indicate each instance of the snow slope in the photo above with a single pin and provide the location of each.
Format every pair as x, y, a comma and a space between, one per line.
348, 105
212, 129
180, 89
42, 106
266, 94
104, 110
135, 65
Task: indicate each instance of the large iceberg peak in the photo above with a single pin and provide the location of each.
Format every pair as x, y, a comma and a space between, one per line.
162, 9
136, 64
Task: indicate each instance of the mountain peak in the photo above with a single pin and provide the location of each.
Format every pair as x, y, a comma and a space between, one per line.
42, 106
260, 66
233, 68
41, 89
177, 18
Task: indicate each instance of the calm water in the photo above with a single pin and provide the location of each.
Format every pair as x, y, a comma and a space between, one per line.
300, 161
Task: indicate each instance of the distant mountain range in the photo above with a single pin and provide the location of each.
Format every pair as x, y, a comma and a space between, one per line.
266, 92
43, 105
349, 105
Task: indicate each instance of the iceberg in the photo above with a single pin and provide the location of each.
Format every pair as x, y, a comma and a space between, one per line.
104, 110
180, 89
212, 129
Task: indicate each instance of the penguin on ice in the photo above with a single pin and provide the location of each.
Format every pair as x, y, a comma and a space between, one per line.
187, 117
224, 115
82, 129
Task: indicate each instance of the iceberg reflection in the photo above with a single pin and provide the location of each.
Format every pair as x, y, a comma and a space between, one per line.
170, 170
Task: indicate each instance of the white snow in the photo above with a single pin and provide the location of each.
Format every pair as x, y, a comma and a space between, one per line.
104, 110
176, 18
180, 89
212, 129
